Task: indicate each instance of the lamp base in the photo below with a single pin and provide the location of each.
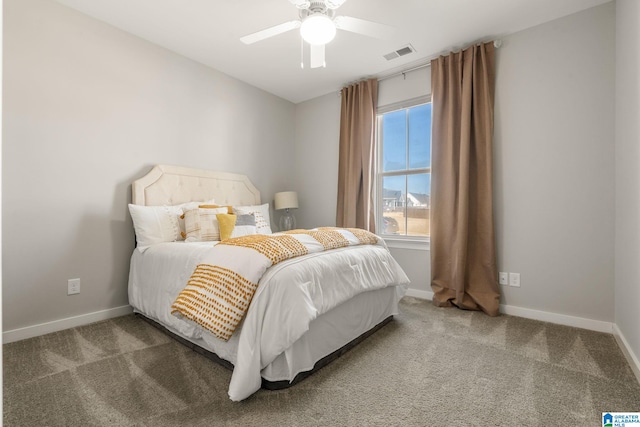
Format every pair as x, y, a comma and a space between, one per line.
287, 221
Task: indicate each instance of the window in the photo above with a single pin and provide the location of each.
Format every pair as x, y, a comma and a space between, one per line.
404, 170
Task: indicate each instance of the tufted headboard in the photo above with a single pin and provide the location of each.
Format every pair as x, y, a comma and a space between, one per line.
172, 185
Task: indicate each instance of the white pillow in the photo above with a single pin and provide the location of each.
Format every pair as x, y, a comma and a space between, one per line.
201, 224
158, 224
261, 212
155, 224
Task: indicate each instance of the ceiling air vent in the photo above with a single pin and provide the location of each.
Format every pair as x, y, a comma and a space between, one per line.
400, 52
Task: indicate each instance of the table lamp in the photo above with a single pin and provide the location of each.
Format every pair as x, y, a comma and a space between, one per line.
286, 200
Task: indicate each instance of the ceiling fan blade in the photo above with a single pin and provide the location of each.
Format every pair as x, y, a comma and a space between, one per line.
317, 56
334, 4
367, 28
270, 32
301, 4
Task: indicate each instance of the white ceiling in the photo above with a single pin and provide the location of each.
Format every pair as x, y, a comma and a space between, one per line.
208, 31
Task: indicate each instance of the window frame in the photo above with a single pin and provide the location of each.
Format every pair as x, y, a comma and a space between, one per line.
396, 241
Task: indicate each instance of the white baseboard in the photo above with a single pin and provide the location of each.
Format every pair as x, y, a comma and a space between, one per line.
626, 349
417, 293
560, 319
59, 325
545, 316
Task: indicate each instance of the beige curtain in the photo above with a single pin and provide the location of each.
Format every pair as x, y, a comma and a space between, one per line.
357, 155
463, 254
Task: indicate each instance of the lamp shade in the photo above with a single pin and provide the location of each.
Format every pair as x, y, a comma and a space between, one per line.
286, 200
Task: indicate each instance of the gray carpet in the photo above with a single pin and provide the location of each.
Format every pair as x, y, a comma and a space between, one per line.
429, 367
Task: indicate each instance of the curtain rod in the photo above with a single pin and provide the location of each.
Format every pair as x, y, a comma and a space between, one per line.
403, 72
496, 44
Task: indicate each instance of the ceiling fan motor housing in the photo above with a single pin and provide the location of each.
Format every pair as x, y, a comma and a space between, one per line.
317, 8
326, 4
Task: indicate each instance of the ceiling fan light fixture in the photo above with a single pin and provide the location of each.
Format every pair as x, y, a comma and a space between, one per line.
318, 29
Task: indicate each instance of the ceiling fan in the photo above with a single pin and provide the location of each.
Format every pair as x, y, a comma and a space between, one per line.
318, 24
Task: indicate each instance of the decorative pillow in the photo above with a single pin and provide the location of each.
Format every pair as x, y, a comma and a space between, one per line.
261, 212
236, 225
201, 224
185, 207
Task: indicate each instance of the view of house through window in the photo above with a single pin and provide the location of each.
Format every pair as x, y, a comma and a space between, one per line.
404, 171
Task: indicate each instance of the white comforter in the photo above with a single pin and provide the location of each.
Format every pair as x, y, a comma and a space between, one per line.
290, 295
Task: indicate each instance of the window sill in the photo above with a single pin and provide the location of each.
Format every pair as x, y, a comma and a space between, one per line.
399, 243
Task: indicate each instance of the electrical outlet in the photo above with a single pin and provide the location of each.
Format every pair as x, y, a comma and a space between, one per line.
73, 286
504, 278
514, 279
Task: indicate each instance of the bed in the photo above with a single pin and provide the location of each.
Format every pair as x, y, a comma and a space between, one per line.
306, 311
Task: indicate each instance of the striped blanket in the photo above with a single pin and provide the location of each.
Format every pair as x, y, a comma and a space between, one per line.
220, 289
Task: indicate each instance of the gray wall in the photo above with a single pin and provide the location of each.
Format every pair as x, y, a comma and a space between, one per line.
627, 251
554, 164
87, 109
316, 164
